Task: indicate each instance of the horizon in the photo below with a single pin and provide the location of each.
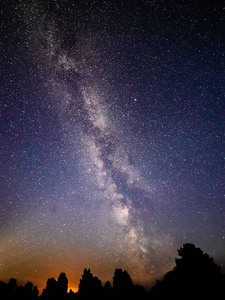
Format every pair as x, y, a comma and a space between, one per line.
192, 264
74, 287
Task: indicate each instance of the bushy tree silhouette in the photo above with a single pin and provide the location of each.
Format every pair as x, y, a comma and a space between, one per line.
11, 291
195, 275
62, 285
28, 292
51, 289
56, 289
122, 283
89, 285
107, 290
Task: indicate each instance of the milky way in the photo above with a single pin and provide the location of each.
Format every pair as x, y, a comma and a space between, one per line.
112, 137
103, 156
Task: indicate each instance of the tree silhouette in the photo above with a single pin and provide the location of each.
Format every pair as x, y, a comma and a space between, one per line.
107, 286
56, 289
51, 289
139, 291
107, 290
122, 283
195, 275
62, 285
28, 292
89, 285
3, 290
11, 291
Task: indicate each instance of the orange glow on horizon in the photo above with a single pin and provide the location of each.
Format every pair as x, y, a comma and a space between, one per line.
73, 288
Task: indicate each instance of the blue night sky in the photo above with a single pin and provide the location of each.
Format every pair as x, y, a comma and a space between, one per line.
112, 136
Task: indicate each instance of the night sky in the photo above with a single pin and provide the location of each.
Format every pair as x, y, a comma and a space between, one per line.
112, 136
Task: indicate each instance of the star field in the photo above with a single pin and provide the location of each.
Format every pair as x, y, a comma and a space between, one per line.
112, 137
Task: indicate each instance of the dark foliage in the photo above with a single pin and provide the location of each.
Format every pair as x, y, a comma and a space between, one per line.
56, 289
195, 276
11, 291
90, 286
122, 284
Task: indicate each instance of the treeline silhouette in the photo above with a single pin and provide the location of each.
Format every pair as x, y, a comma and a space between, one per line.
195, 276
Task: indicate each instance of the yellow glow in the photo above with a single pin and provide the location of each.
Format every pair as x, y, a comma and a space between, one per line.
73, 288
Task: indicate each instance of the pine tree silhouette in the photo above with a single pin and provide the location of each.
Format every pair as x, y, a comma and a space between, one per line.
195, 275
89, 284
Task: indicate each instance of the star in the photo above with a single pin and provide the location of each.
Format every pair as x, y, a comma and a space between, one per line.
111, 137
